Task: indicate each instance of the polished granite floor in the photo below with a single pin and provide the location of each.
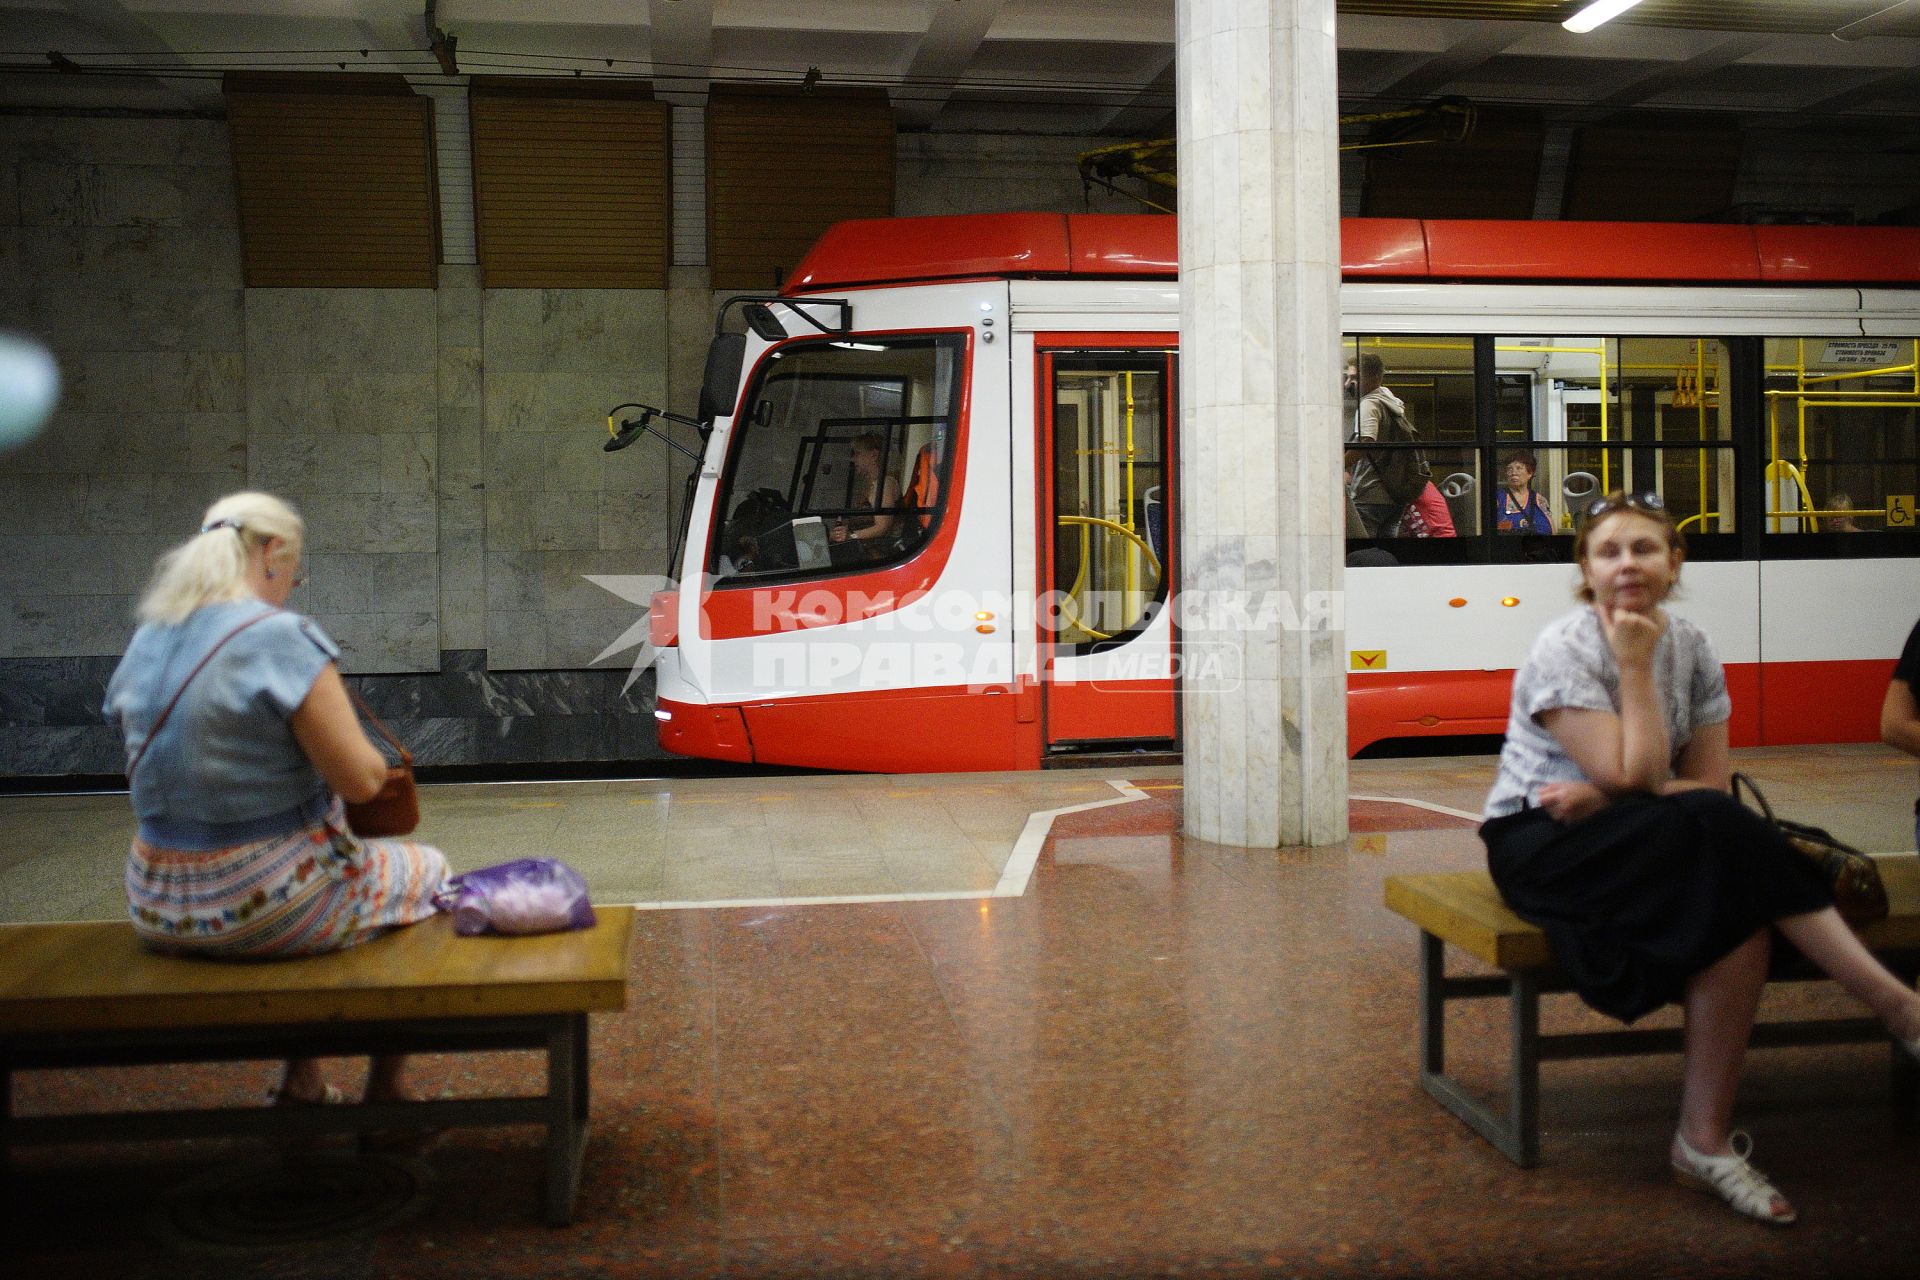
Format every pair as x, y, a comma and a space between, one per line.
1003, 1025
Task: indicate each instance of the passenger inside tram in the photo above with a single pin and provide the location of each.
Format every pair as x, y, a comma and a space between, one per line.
1522, 510
872, 490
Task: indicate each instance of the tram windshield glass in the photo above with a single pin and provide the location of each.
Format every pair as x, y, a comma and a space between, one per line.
840, 461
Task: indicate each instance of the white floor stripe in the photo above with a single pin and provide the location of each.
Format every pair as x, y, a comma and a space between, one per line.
1013, 877
1428, 805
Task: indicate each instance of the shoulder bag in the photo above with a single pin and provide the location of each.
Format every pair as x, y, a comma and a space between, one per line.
1857, 891
395, 811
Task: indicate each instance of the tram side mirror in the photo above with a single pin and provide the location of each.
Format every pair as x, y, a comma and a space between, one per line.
721, 381
762, 321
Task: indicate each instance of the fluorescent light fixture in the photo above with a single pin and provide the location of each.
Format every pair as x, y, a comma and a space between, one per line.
1881, 23
1596, 13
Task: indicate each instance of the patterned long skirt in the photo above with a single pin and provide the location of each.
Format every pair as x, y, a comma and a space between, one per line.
318, 889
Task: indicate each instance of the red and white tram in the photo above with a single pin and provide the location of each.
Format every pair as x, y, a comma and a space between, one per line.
935, 524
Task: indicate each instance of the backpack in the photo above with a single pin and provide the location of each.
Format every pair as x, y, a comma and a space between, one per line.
1403, 472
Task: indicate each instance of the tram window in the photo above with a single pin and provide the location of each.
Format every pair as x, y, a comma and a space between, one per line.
1110, 490
840, 464
1429, 381
1642, 414
1838, 434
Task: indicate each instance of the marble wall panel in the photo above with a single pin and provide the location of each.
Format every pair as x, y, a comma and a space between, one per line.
42, 503
408, 463
380, 522
463, 571
385, 641
458, 302
576, 637
136, 319
51, 194
343, 402
35, 751
516, 639
63, 625
161, 256
558, 403
152, 196
45, 256
366, 333
579, 331
217, 445
461, 448
347, 582
320, 465
513, 583
459, 385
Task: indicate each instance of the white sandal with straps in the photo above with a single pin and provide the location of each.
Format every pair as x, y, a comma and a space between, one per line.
1731, 1178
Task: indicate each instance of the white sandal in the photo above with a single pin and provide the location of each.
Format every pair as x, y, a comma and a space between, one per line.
1731, 1178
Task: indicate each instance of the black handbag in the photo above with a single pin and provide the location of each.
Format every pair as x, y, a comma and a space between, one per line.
1858, 892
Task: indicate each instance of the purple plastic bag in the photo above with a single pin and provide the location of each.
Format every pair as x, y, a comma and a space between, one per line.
527, 895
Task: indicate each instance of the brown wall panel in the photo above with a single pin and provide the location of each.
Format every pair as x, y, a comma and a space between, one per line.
1674, 171
571, 186
783, 166
1493, 173
334, 179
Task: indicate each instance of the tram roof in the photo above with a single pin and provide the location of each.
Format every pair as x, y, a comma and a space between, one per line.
1142, 246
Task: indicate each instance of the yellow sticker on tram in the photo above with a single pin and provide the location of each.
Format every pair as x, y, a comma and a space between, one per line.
1366, 659
1899, 511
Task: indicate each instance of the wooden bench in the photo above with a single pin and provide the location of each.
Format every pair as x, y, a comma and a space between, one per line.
1462, 909
83, 995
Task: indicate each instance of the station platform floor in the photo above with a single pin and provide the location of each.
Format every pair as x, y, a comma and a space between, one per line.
987, 1025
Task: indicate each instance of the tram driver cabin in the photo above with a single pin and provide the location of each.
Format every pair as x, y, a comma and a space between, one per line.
937, 514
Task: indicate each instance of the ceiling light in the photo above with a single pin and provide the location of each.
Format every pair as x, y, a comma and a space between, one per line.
1596, 13
1881, 23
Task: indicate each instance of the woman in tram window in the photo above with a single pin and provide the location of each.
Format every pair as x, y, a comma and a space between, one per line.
872, 492
241, 742
1610, 827
1900, 713
1521, 509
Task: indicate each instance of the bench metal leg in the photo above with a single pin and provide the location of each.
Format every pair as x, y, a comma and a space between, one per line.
566, 1115
1516, 1135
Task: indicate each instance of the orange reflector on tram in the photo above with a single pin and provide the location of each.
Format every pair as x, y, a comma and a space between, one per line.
985, 628
1458, 602
1507, 602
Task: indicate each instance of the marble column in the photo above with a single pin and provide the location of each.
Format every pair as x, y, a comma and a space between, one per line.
1262, 536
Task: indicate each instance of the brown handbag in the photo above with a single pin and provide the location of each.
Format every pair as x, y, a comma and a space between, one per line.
395, 811
1858, 893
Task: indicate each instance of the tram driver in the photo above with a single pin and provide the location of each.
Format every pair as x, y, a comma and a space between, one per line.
873, 536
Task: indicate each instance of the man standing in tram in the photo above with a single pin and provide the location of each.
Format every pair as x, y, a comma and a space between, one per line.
1377, 508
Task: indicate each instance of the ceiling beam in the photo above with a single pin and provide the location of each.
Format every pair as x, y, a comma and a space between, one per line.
1149, 114
680, 41
942, 57
1889, 84
1676, 75
117, 27
1481, 42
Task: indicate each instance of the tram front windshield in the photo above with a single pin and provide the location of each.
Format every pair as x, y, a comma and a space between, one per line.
839, 460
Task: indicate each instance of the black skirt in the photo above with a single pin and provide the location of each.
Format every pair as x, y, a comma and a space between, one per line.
1646, 893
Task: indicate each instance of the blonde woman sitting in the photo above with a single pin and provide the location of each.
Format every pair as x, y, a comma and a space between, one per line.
241, 744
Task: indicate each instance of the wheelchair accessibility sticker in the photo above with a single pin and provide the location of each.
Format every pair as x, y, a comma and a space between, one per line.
1899, 511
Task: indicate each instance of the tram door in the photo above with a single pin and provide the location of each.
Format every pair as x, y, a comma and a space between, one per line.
1106, 546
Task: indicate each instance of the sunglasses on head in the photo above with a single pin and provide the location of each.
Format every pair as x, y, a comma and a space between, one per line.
1626, 502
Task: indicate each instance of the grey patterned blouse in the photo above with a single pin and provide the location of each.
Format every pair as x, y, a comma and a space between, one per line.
1571, 666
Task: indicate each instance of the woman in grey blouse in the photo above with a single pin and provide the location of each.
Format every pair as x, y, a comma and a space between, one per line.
241, 743
1610, 827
